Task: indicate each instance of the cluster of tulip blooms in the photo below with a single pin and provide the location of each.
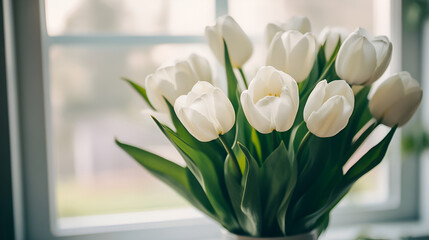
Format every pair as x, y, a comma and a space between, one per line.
267, 158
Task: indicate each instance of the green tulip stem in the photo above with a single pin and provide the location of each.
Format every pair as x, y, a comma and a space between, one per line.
231, 155
303, 141
243, 77
275, 139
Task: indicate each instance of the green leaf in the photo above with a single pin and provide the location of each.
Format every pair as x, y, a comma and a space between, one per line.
321, 59
371, 159
278, 178
330, 65
309, 83
141, 90
231, 78
235, 191
243, 134
211, 179
177, 177
251, 202
297, 136
360, 116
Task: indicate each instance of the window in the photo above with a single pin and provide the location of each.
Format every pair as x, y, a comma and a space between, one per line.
82, 179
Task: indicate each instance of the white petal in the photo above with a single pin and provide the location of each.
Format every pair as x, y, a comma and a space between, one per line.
255, 118
356, 60
270, 31
285, 114
215, 41
315, 99
155, 93
403, 110
300, 59
201, 67
240, 47
330, 119
276, 56
383, 48
340, 87
224, 111
197, 124
385, 96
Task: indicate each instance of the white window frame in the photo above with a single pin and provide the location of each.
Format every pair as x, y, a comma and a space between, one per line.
33, 171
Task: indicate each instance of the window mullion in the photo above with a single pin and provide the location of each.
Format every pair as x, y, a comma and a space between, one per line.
125, 39
221, 7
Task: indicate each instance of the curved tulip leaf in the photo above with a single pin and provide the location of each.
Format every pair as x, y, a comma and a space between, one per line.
141, 90
370, 160
277, 178
321, 58
251, 202
330, 64
231, 79
297, 135
211, 179
235, 191
361, 114
242, 132
358, 119
177, 177
308, 84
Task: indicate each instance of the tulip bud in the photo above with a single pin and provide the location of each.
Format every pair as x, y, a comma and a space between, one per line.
329, 108
298, 23
362, 59
396, 99
294, 53
330, 37
172, 81
239, 46
272, 100
205, 112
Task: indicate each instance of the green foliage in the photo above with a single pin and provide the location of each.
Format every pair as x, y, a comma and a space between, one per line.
287, 183
140, 90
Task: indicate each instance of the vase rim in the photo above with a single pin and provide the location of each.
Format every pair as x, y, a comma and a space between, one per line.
309, 235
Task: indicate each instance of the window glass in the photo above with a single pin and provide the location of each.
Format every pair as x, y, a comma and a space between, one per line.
134, 17
90, 106
253, 15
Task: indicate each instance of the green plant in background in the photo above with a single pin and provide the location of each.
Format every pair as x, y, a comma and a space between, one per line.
415, 140
268, 160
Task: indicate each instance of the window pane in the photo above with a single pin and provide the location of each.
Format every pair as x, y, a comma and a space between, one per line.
257, 13
134, 17
90, 107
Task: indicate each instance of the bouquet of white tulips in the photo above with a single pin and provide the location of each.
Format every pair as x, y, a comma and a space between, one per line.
268, 160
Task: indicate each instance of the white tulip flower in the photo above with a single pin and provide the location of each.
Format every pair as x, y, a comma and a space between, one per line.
272, 100
293, 53
362, 59
329, 108
172, 81
240, 47
330, 37
396, 99
298, 23
205, 112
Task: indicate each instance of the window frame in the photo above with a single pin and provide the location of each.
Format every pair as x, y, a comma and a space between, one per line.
35, 213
